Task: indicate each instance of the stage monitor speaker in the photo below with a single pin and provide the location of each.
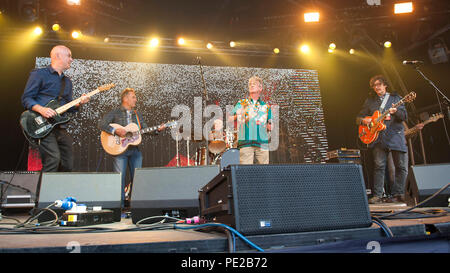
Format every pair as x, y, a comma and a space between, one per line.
18, 184
268, 199
169, 190
424, 181
91, 189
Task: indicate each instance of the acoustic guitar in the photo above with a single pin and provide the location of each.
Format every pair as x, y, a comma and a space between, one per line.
116, 145
369, 133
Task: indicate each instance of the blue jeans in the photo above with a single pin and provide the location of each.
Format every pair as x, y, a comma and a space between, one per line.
379, 172
131, 158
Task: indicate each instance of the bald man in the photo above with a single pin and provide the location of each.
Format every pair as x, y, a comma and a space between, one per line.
46, 84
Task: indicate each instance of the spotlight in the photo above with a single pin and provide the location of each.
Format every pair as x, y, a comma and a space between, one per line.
406, 7
276, 50
351, 51
332, 46
181, 41
311, 17
305, 49
154, 42
232, 44
106, 40
56, 27
387, 44
209, 46
330, 50
73, 2
37, 31
76, 34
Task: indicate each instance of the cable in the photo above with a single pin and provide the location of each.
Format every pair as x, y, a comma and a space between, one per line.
421, 203
383, 226
225, 226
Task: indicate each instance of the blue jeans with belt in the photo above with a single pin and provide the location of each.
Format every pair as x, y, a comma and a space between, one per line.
400, 159
132, 158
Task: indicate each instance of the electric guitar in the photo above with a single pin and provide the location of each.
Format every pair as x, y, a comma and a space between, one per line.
411, 131
116, 145
369, 133
36, 126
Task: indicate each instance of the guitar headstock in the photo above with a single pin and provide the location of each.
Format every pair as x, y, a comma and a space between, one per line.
106, 87
171, 124
435, 117
410, 97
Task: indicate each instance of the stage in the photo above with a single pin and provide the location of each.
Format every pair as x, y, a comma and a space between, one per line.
126, 237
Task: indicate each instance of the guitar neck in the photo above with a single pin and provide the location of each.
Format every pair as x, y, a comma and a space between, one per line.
385, 113
148, 129
71, 104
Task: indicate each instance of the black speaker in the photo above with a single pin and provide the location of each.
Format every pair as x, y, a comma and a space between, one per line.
425, 180
266, 199
91, 189
169, 190
18, 185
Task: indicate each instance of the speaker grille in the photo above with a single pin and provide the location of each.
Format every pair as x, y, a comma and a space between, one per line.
293, 198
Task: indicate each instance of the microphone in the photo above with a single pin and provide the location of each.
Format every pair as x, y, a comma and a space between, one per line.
412, 62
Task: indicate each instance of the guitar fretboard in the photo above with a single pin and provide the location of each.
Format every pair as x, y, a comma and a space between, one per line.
69, 105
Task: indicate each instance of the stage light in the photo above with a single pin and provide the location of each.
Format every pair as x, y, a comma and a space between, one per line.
74, 2
154, 42
406, 7
56, 27
232, 44
305, 49
332, 46
37, 31
330, 50
76, 34
276, 50
387, 44
311, 17
106, 40
181, 41
209, 46
28, 10
351, 51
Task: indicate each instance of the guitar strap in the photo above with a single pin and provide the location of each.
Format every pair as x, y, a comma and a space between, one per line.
383, 104
137, 119
61, 91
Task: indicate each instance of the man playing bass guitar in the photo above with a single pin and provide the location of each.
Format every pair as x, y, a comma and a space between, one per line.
391, 139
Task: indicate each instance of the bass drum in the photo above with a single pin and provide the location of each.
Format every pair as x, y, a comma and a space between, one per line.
229, 157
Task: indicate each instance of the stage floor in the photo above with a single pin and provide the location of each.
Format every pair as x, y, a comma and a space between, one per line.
124, 237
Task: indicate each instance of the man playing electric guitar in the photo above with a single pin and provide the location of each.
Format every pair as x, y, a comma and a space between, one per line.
44, 85
392, 139
124, 115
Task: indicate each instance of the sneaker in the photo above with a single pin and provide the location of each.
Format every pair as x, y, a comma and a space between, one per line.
375, 200
396, 199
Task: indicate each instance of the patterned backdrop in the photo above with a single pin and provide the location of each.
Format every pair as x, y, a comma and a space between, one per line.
161, 87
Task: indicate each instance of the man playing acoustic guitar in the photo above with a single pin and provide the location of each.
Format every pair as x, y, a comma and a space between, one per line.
392, 139
123, 116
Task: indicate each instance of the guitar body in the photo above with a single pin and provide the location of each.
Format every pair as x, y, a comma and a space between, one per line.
369, 133
36, 126
115, 145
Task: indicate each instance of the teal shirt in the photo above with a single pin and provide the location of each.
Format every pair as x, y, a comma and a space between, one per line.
252, 119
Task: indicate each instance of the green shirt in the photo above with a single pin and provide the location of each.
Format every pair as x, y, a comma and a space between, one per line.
252, 119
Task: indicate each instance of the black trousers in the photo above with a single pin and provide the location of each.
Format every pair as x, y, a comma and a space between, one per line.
56, 151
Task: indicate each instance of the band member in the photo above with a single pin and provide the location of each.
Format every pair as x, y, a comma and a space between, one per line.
124, 115
254, 117
392, 139
44, 85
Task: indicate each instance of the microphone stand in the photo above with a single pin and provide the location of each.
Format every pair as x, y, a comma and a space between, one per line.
442, 94
205, 99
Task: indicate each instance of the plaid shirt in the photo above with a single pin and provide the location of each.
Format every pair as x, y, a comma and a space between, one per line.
119, 116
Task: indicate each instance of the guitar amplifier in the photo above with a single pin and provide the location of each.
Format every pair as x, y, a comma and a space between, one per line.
344, 155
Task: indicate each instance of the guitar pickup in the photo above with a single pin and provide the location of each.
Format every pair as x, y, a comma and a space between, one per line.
39, 120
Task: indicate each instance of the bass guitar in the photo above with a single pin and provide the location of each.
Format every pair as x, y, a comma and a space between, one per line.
36, 126
116, 145
369, 133
411, 131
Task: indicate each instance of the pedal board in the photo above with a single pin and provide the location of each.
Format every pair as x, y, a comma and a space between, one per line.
88, 218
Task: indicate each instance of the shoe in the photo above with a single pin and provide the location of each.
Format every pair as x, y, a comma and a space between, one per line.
375, 200
399, 198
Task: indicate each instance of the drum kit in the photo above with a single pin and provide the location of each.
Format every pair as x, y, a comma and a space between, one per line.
219, 144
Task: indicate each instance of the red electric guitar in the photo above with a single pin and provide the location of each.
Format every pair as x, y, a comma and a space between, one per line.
369, 133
